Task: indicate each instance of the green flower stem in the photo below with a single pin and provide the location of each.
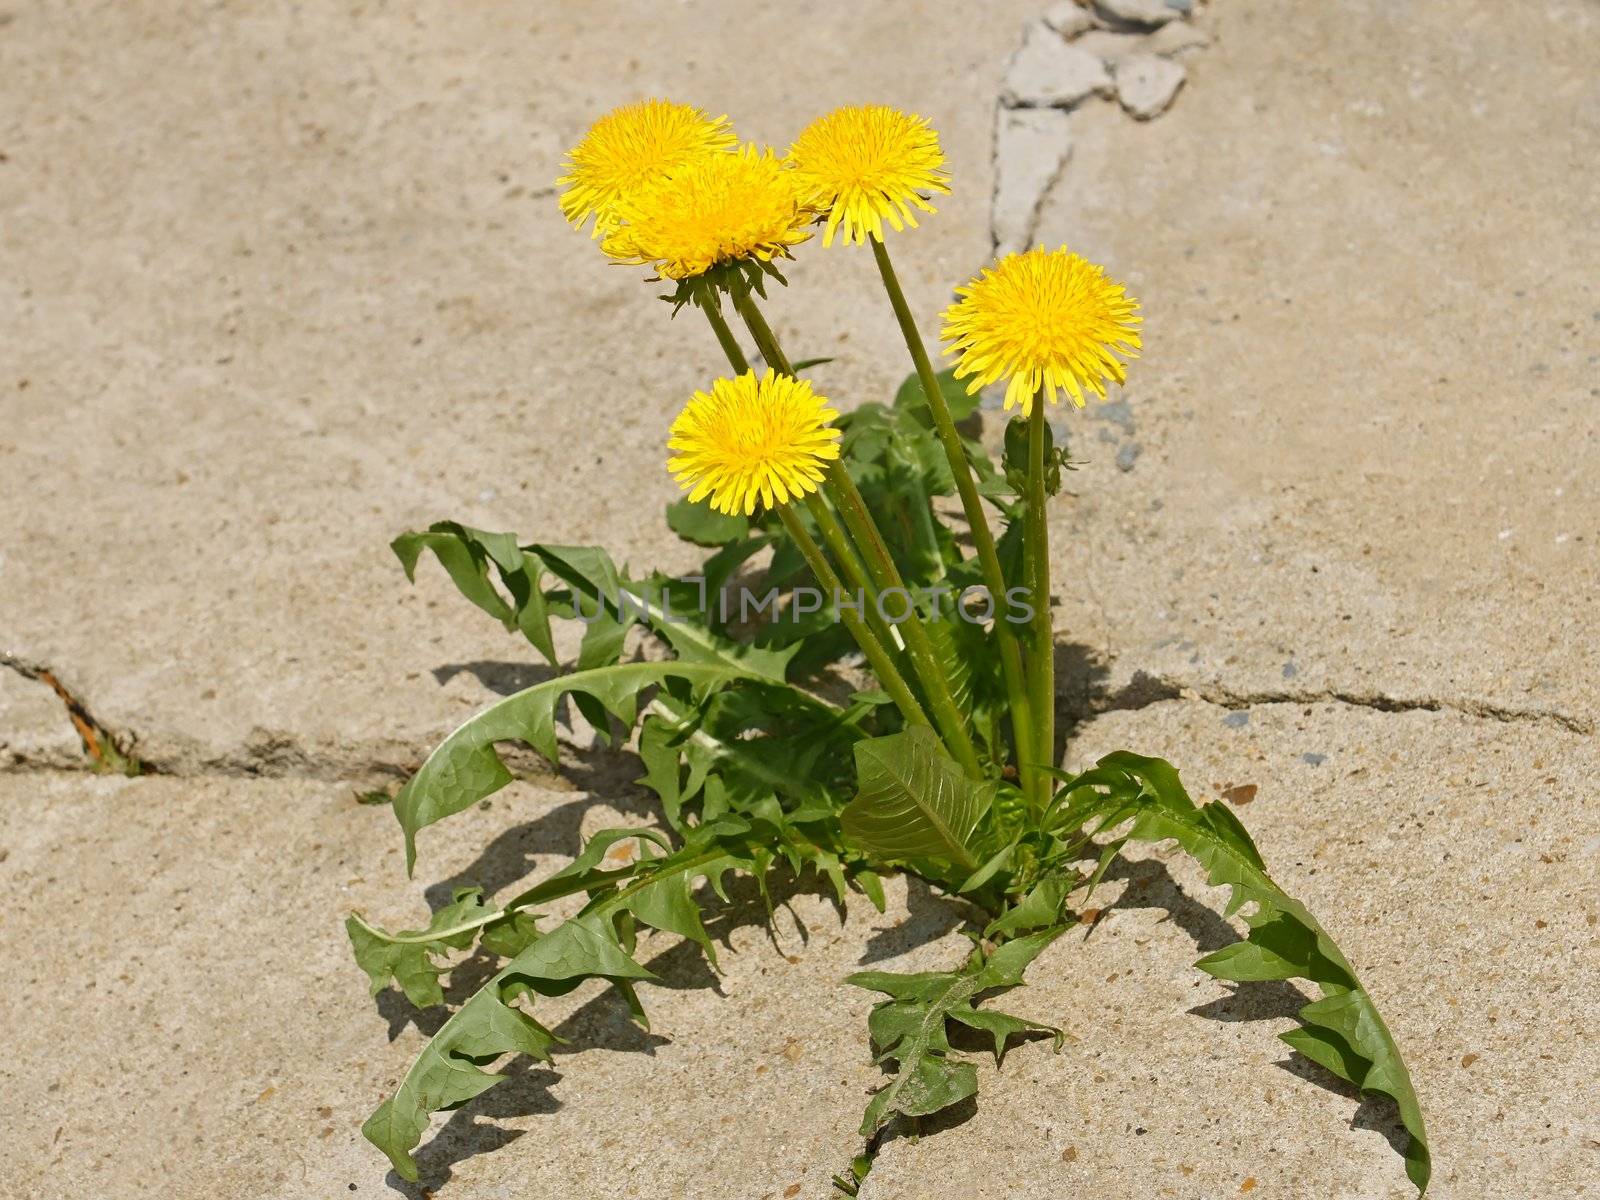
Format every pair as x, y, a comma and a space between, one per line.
1034, 782
766, 341
729, 343
855, 575
849, 561
885, 577
952, 725
1042, 670
877, 657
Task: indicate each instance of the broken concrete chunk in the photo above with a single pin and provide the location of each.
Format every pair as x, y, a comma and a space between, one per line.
1068, 18
1046, 72
1111, 47
1175, 38
1030, 148
1145, 13
1146, 84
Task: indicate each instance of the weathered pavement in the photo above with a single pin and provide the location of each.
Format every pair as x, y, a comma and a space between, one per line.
1339, 543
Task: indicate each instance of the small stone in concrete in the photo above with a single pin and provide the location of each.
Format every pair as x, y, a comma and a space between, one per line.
1046, 72
1128, 455
1178, 37
1146, 84
1313, 760
1068, 18
1148, 13
1236, 720
1030, 148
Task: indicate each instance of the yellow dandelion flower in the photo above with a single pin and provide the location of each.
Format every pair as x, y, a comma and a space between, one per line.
867, 165
750, 440
630, 147
1043, 319
718, 208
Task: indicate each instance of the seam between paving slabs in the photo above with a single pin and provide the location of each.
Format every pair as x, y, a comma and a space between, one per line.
1146, 689
103, 750
282, 757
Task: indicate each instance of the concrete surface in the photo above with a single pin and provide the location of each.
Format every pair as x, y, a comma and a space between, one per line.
1457, 863
191, 1024
1365, 414
317, 290
195, 926
276, 283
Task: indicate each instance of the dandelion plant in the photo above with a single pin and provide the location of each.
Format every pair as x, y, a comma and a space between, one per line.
884, 701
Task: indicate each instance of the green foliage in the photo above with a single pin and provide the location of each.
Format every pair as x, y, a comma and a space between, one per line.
963, 404
467, 767
656, 891
696, 521
406, 958
910, 1028
766, 765
1342, 1031
913, 802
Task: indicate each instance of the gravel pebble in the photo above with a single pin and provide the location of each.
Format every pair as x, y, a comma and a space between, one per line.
1176, 38
1031, 145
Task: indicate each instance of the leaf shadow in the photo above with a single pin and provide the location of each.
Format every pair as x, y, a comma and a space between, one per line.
953, 1117
930, 915
501, 678
598, 774
1082, 691
1081, 675
1375, 1112
1151, 885
601, 1023
471, 1129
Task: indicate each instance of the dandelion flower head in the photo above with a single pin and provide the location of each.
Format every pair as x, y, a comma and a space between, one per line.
1043, 320
867, 165
719, 208
753, 440
630, 147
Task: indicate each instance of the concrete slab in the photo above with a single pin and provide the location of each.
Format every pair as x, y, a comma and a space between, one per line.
183, 1015
179, 949
1454, 860
283, 284
1358, 457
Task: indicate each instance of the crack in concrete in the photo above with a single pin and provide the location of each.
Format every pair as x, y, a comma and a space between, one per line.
104, 749
285, 756
1146, 689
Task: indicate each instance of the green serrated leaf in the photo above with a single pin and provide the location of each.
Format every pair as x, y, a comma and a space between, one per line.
466, 767
913, 801
449, 1071
910, 395
909, 1029
406, 958
1041, 907
1343, 1030
447, 1074
466, 554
